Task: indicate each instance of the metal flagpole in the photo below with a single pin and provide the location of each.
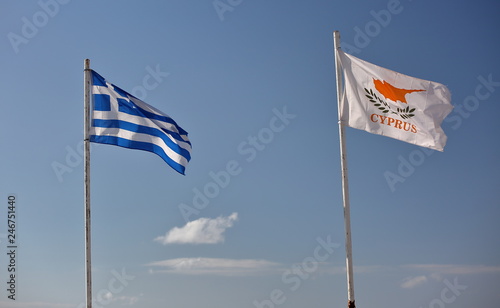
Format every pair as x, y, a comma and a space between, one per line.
86, 175
345, 183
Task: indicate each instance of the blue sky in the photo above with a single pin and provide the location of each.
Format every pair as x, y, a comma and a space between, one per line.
266, 222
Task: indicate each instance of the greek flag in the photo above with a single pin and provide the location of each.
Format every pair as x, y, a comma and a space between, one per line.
119, 118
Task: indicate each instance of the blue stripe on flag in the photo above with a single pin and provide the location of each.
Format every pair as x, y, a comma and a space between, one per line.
142, 130
138, 145
98, 80
121, 92
133, 109
129, 107
102, 102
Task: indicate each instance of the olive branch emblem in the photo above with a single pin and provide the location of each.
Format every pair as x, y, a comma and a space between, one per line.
404, 113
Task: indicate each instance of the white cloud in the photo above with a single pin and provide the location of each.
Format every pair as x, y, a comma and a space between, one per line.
412, 282
16, 304
122, 300
216, 266
437, 271
200, 231
454, 269
363, 269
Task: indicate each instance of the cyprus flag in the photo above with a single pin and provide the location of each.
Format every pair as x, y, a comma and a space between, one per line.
384, 102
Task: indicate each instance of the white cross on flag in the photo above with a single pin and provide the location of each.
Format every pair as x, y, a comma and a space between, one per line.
384, 102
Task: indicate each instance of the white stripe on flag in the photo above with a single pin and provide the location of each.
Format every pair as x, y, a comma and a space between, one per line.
125, 134
109, 115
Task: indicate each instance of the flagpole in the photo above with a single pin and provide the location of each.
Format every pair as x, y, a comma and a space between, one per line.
86, 176
345, 183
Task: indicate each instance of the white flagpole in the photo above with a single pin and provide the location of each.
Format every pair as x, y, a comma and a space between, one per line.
86, 175
345, 183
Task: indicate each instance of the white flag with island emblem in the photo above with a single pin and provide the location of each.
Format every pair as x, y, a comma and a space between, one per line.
384, 102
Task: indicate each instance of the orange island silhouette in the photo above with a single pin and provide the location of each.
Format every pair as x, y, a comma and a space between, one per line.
391, 92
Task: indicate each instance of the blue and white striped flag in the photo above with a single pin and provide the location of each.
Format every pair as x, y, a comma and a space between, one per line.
119, 118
